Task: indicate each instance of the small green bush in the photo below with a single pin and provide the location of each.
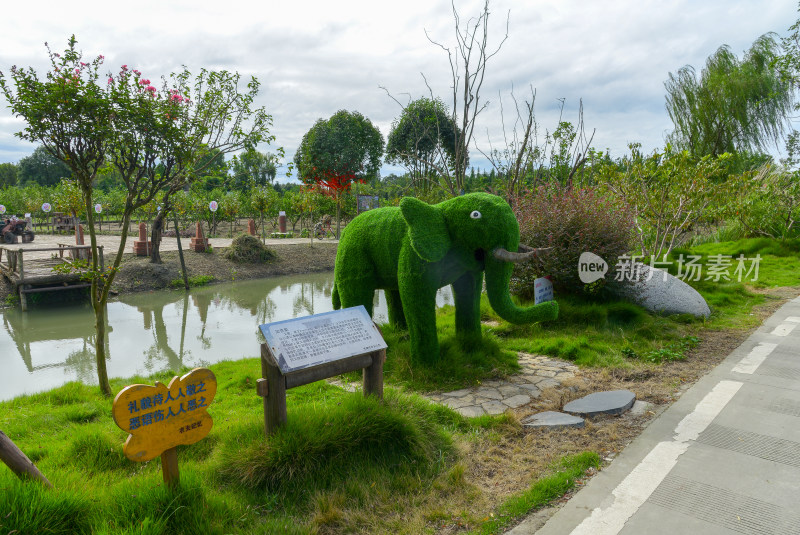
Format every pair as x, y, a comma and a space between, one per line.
571, 221
249, 249
197, 280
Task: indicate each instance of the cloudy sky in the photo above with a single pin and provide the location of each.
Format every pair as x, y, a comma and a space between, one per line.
314, 58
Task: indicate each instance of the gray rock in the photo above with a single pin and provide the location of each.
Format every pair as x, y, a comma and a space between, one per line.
553, 420
457, 403
494, 407
509, 390
662, 293
517, 401
547, 383
490, 393
458, 393
612, 402
640, 407
471, 412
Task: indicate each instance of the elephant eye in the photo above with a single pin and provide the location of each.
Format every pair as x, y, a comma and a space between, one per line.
475, 214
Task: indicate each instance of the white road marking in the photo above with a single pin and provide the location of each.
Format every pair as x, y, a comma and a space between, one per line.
634, 490
751, 362
793, 319
784, 328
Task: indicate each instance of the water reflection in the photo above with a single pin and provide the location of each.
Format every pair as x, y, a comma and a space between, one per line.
154, 331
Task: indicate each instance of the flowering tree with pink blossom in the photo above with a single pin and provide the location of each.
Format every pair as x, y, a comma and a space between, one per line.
153, 137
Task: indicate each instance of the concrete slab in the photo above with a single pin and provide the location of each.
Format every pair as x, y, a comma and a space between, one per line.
610, 402
723, 459
553, 420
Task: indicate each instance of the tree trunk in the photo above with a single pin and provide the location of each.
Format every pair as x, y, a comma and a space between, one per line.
155, 237
101, 320
180, 255
338, 214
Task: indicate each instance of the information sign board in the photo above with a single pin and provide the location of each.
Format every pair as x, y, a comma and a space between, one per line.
2, 209
313, 340
161, 417
543, 290
46, 207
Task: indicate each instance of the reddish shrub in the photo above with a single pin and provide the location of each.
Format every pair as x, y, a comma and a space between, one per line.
571, 221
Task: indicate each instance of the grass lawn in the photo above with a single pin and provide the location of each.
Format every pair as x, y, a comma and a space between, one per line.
345, 464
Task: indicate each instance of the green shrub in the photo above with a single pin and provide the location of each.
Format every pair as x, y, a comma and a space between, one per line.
197, 280
768, 203
246, 248
571, 221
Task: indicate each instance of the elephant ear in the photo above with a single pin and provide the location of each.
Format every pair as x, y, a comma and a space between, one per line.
426, 228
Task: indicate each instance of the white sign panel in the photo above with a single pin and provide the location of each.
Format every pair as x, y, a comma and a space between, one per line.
543, 290
313, 340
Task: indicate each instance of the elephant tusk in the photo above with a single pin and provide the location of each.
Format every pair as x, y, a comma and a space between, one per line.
508, 256
527, 249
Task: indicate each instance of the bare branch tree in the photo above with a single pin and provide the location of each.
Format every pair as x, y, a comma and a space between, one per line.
468, 59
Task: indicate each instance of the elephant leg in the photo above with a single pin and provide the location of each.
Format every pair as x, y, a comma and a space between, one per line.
419, 305
357, 292
467, 294
395, 305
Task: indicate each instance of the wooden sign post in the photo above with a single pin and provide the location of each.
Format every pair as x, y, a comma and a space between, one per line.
303, 350
159, 418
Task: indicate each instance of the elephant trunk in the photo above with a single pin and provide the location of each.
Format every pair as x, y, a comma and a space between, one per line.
498, 276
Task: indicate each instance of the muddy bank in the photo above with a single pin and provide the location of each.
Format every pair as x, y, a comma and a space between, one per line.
137, 274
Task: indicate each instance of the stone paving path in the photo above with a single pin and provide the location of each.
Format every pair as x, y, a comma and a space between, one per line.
496, 396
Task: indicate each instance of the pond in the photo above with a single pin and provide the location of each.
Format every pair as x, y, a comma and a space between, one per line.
155, 331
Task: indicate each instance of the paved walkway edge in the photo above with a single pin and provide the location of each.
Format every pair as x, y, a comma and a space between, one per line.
620, 490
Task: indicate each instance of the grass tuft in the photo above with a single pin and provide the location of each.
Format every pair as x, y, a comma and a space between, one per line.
249, 249
95, 451
322, 445
28, 507
195, 281
566, 472
463, 360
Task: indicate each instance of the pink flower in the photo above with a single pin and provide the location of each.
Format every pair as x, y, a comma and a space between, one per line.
137, 73
101, 56
124, 67
110, 80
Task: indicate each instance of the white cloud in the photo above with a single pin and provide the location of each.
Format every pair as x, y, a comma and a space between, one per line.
314, 58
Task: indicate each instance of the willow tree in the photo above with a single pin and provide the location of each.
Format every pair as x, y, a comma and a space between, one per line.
733, 105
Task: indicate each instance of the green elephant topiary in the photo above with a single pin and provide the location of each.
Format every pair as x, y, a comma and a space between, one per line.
412, 250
